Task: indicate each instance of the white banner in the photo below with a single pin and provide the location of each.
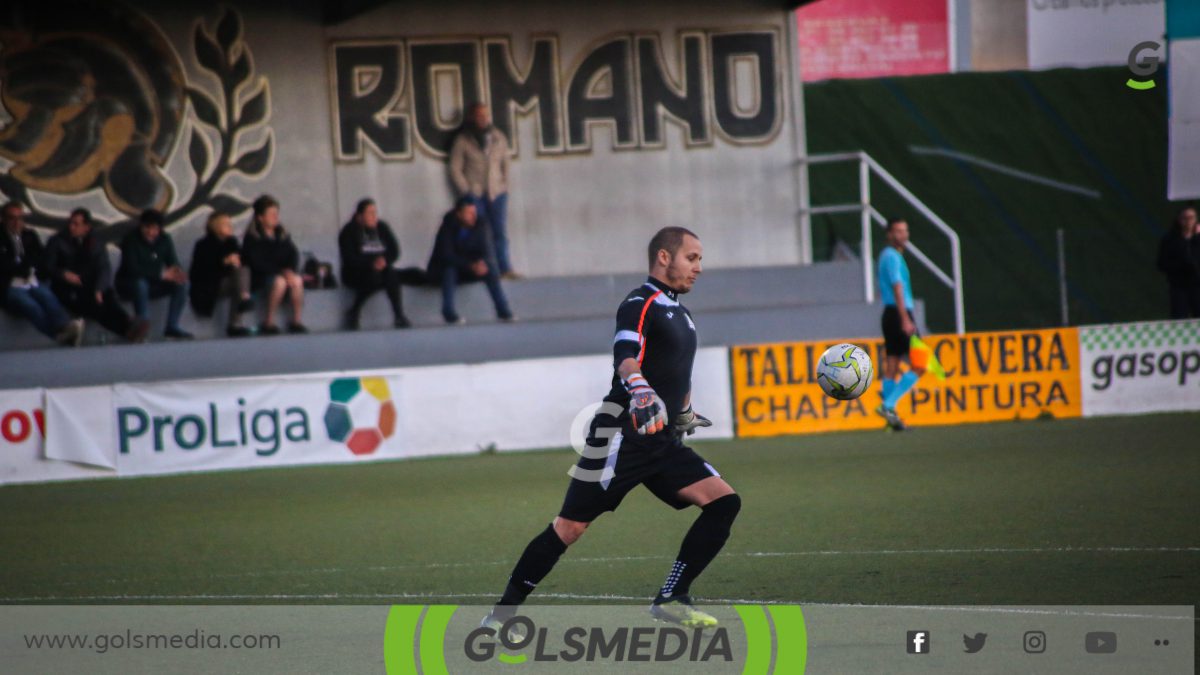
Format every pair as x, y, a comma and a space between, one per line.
328, 418
1140, 367
1087, 33
22, 437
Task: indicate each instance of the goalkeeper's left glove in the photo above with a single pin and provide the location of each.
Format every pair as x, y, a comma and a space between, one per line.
688, 421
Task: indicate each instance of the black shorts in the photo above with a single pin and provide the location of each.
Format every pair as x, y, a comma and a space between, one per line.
660, 462
895, 340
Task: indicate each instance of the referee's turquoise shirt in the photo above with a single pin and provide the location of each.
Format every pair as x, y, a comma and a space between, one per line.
892, 268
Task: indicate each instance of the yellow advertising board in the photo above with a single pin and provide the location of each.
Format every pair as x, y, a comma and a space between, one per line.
989, 377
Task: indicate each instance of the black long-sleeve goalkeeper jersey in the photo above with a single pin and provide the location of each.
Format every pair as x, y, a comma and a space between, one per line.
655, 329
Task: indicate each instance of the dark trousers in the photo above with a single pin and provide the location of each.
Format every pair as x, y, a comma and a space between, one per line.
108, 312
1185, 302
368, 282
141, 291
453, 276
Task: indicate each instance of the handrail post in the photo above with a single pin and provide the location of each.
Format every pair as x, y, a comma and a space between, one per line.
864, 192
960, 319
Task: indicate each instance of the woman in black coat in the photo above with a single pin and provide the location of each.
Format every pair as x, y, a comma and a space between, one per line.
217, 271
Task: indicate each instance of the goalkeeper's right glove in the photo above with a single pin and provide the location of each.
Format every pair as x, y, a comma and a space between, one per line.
647, 410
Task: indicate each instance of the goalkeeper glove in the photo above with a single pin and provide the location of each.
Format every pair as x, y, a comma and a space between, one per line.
688, 421
647, 410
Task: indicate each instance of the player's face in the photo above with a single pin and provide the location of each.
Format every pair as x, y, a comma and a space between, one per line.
685, 266
898, 235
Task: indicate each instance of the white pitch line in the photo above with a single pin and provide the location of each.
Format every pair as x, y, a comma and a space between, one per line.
638, 558
1006, 170
604, 597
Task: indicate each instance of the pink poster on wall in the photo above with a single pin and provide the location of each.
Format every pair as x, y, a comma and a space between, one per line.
873, 38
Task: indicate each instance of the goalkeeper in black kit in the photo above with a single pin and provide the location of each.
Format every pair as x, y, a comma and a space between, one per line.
637, 439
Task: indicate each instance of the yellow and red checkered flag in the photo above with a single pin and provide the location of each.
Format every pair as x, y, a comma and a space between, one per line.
921, 356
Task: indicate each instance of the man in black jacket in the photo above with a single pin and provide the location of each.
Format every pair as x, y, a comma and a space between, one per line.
1179, 260
81, 277
464, 252
369, 249
21, 259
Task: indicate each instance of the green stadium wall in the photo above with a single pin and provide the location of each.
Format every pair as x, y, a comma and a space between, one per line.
1082, 128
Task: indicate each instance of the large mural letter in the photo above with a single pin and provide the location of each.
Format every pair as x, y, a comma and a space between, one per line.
434, 65
663, 95
368, 81
512, 90
758, 119
600, 91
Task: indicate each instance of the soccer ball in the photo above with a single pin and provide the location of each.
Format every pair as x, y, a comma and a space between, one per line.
845, 372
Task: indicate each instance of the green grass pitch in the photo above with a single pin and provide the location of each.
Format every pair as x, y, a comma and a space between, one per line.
1099, 511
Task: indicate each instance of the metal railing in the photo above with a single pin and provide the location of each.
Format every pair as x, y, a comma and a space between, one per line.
867, 213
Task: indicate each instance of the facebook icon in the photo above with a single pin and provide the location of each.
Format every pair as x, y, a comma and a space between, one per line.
918, 642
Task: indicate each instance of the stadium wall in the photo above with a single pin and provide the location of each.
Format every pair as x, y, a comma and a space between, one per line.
623, 117
747, 390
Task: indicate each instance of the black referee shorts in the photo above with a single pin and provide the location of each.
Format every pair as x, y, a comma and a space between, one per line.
660, 462
895, 340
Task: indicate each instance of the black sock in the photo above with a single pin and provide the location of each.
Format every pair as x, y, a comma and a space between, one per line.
701, 544
536, 562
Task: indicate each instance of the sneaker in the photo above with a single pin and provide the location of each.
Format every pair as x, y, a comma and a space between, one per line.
496, 618
512, 276
177, 334
297, 328
72, 334
237, 331
401, 322
268, 329
455, 320
137, 332
893, 419
508, 318
679, 610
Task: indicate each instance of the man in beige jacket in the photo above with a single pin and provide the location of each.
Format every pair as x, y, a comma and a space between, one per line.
479, 169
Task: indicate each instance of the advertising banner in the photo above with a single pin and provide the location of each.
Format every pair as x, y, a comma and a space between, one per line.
1090, 33
876, 38
224, 424
22, 442
989, 377
1140, 367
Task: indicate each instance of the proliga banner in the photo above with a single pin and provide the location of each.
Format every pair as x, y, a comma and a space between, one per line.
989, 377
1140, 367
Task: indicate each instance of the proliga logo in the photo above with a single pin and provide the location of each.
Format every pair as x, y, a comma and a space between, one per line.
360, 414
441, 639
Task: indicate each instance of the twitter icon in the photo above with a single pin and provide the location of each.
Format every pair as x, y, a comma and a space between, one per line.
974, 644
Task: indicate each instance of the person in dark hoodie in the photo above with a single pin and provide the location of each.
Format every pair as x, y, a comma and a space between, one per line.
81, 277
274, 263
21, 260
217, 271
150, 269
369, 251
1179, 260
464, 252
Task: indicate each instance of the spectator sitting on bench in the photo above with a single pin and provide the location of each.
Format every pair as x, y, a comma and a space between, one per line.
150, 269
464, 252
217, 272
274, 263
21, 255
81, 277
369, 250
